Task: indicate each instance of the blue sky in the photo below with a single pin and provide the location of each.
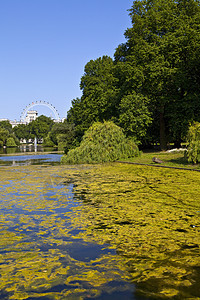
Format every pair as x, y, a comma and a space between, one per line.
45, 45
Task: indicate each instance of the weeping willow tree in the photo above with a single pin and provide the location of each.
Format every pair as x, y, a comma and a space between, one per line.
193, 139
102, 142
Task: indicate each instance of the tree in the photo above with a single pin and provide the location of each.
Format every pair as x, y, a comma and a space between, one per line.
40, 127
22, 131
193, 139
134, 116
6, 125
98, 101
160, 61
102, 142
63, 135
4, 134
10, 142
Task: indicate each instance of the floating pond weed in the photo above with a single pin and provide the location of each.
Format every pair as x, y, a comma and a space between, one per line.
79, 232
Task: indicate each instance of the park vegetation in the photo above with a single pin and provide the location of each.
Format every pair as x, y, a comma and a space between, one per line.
7, 137
193, 139
151, 88
102, 142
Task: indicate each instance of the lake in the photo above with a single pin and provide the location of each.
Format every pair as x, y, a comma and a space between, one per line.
27, 159
110, 231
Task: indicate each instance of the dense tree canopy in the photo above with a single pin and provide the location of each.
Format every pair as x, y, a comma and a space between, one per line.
98, 101
160, 60
62, 135
7, 137
22, 131
40, 127
152, 87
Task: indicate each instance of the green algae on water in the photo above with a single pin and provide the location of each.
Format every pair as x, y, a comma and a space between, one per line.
69, 232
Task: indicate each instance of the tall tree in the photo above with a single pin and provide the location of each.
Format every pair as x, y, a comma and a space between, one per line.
97, 102
160, 60
6, 124
41, 126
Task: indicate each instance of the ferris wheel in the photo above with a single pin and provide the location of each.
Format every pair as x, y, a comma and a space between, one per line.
40, 103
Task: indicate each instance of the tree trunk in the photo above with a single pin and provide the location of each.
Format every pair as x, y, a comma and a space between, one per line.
163, 141
177, 143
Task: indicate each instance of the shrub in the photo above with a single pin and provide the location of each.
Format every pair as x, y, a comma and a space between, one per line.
48, 142
10, 142
102, 142
193, 139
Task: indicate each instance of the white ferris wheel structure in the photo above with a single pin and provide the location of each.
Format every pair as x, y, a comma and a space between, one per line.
40, 103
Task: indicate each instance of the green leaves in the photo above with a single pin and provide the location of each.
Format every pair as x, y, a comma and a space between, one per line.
41, 126
161, 54
4, 134
193, 139
98, 101
134, 115
102, 142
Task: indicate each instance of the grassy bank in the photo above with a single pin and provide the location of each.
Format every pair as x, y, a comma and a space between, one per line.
169, 159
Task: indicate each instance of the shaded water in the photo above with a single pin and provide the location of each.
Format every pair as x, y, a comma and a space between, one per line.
100, 232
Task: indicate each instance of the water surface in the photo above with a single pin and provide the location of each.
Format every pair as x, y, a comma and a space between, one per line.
99, 232
42, 255
31, 159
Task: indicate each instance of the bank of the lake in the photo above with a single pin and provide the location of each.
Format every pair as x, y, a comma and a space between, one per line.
171, 158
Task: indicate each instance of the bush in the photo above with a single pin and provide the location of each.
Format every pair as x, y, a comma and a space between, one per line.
102, 142
10, 142
193, 139
48, 142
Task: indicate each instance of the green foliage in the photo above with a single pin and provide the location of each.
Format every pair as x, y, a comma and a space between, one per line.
4, 134
102, 142
40, 127
98, 101
6, 125
161, 61
10, 142
134, 115
22, 131
48, 142
63, 135
151, 89
193, 139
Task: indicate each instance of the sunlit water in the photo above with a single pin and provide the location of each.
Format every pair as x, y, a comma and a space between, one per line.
17, 160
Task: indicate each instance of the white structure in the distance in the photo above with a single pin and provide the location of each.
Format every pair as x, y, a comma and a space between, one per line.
31, 116
40, 103
13, 123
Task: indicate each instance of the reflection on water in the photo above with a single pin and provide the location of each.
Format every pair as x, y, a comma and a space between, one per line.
26, 160
27, 148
